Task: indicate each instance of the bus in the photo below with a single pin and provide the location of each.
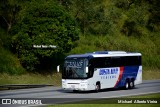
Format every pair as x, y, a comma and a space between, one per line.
102, 70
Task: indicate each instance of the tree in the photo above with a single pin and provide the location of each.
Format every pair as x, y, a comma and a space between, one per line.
154, 19
89, 14
43, 22
8, 11
135, 16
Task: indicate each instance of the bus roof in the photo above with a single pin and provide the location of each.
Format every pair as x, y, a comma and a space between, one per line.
105, 54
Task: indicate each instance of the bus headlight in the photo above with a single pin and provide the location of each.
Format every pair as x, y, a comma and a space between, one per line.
63, 82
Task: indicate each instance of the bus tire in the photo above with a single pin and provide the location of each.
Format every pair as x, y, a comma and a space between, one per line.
127, 84
132, 84
98, 87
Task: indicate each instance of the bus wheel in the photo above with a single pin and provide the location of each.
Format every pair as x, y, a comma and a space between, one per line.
98, 87
132, 84
127, 85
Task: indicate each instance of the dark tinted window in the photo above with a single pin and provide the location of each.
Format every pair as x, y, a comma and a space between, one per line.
115, 61
101, 62
131, 60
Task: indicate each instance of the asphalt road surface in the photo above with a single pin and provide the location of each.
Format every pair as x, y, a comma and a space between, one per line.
54, 95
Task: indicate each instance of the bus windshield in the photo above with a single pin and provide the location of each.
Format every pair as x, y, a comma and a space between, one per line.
75, 68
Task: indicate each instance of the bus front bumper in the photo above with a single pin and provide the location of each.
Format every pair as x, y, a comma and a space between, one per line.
75, 86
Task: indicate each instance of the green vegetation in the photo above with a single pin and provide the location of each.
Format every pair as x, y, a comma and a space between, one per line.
30, 78
156, 95
76, 27
101, 103
108, 105
146, 46
42, 23
150, 74
9, 63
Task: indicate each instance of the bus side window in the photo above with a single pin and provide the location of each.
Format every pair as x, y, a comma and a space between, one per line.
107, 62
132, 60
91, 67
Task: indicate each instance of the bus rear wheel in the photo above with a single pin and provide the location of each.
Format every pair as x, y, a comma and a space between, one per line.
132, 84
127, 85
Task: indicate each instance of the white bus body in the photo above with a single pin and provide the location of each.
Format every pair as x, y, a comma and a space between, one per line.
100, 70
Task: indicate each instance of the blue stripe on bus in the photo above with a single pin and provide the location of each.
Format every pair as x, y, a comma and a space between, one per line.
129, 72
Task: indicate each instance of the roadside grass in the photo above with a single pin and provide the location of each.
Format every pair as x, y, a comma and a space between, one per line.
102, 103
151, 74
30, 78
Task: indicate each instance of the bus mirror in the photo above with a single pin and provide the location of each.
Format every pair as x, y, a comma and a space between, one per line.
86, 70
58, 68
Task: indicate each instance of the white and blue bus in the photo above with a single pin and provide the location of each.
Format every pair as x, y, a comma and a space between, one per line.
101, 70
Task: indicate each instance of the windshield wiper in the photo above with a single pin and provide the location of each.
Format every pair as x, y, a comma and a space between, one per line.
73, 69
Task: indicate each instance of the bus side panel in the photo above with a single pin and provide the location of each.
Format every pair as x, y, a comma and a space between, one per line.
130, 72
92, 81
106, 80
118, 79
139, 76
105, 77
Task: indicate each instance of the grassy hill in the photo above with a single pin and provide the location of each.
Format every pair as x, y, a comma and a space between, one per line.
148, 46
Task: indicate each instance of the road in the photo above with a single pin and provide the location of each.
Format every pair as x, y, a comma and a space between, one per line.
59, 95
